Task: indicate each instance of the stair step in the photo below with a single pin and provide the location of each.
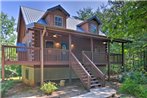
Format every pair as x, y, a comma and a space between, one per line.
95, 81
95, 85
93, 78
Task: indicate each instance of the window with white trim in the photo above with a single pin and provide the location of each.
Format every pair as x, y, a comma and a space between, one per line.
58, 20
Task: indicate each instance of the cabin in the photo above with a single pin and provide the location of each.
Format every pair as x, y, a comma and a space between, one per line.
51, 45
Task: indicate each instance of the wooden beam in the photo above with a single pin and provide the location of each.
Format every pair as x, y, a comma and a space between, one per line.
41, 55
108, 56
70, 74
122, 56
91, 40
3, 64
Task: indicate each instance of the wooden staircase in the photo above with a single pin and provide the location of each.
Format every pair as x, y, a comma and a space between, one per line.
84, 72
94, 81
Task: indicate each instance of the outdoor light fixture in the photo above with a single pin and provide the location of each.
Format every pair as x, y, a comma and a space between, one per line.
104, 43
55, 35
72, 46
57, 45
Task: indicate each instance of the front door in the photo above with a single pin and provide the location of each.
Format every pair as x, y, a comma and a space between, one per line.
64, 53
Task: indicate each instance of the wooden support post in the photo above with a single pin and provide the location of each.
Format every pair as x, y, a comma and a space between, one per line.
91, 40
3, 64
108, 56
70, 70
42, 55
122, 57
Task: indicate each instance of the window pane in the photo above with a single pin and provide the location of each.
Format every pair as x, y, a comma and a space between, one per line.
58, 21
93, 28
49, 44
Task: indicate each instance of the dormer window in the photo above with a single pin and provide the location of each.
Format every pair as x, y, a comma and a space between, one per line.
58, 21
93, 28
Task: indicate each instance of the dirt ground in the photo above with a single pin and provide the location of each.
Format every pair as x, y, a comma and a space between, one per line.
20, 90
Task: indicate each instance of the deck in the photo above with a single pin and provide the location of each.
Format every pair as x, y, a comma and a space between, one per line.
31, 56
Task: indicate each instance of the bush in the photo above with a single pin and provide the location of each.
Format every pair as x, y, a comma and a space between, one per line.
49, 87
132, 87
138, 76
6, 85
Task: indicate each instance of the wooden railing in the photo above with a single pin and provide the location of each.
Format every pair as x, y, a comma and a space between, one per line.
93, 68
80, 71
52, 54
115, 58
98, 58
13, 54
28, 55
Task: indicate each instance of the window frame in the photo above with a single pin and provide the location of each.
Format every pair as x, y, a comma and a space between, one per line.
55, 20
90, 29
49, 41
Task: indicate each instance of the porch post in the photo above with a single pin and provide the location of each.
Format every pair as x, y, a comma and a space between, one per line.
122, 57
41, 55
108, 56
70, 73
3, 64
91, 40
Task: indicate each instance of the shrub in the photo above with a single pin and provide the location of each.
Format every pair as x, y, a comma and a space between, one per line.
6, 85
132, 87
49, 87
138, 76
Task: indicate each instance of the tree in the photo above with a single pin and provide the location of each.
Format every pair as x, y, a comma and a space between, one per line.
126, 20
7, 35
85, 13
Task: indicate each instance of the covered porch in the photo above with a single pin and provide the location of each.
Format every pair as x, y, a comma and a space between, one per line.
55, 46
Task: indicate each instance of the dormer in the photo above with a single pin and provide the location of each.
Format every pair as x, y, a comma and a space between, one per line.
91, 25
56, 17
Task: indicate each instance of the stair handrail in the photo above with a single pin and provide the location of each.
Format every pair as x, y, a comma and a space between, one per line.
89, 77
100, 73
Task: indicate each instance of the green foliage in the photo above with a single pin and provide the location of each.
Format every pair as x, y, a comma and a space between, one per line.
140, 77
85, 13
131, 87
49, 87
13, 71
6, 85
7, 35
124, 20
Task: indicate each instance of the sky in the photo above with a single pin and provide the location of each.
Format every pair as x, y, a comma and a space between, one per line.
11, 7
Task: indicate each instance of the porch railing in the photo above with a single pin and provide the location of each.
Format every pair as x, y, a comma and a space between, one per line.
13, 54
97, 57
80, 71
93, 68
52, 54
115, 58
29, 55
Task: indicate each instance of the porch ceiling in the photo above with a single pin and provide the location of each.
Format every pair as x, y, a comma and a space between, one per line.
68, 31
65, 32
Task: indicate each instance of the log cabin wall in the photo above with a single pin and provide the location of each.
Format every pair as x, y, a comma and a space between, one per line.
50, 18
80, 44
21, 28
85, 27
99, 46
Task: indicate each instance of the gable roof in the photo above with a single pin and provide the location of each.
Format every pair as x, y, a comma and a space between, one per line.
35, 16
31, 15
58, 7
91, 18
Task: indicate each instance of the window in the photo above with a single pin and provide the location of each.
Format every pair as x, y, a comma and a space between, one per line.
49, 44
58, 21
93, 28
27, 73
